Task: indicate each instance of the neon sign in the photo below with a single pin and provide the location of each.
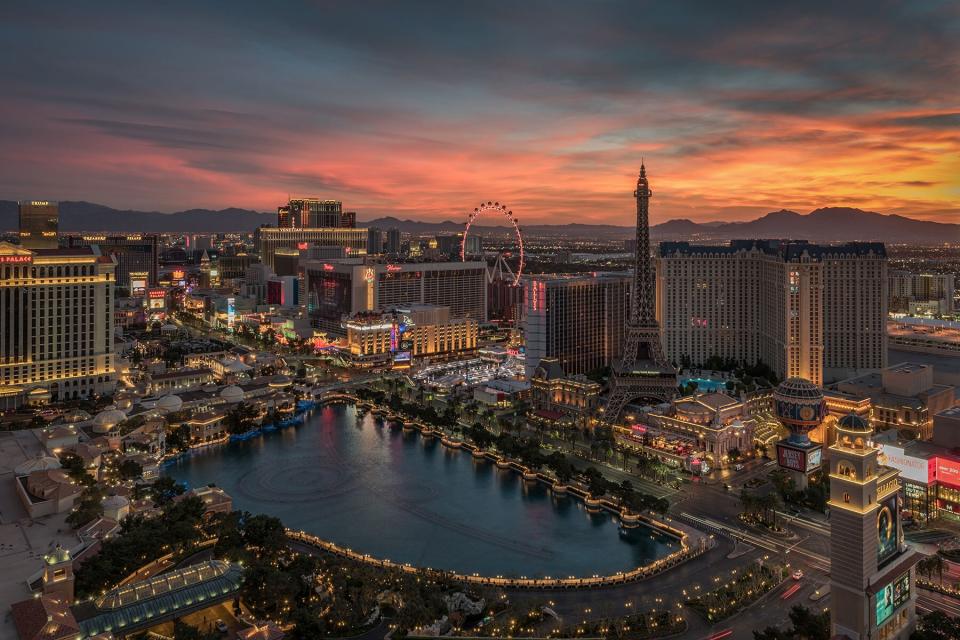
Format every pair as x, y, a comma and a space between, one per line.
16, 259
394, 267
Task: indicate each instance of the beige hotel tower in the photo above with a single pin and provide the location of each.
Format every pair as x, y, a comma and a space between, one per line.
872, 581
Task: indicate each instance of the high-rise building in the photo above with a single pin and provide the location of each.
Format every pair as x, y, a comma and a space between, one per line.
335, 290
348, 219
908, 290
872, 575
137, 256
808, 311
56, 321
39, 223
641, 372
578, 321
269, 239
311, 213
393, 241
374, 241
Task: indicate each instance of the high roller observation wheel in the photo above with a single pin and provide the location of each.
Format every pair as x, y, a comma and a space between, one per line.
494, 207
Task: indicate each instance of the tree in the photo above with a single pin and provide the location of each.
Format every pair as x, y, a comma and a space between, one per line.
936, 625
88, 509
179, 438
240, 419
805, 625
734, 454
130, 469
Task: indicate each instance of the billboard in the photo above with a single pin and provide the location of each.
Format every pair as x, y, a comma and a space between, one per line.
814, 458
948, 472
888, 534
791, 458
892, 597
910, 467
138, 282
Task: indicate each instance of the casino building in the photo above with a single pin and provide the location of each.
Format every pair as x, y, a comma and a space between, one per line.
270, 239
400, 336
339, 289
56, 323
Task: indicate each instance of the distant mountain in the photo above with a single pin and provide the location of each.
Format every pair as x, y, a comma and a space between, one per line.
831, 224
835, 224
87, 216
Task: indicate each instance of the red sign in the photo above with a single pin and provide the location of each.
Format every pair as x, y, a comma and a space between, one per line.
948, 472
394, 267
15, 259
790, 458
328, 267
156, 293
302, 246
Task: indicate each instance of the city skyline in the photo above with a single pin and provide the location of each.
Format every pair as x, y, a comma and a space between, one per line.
427, 109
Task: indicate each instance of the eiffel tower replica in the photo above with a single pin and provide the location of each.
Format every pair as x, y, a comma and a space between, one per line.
642, 372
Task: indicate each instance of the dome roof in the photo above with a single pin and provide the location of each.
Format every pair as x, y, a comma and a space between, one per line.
107, 420
799, 404
280, 380
853, 422
40, 463
170, 403
798, 389
233, 393
115, 502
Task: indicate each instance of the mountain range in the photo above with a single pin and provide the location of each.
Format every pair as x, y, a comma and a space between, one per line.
829, 224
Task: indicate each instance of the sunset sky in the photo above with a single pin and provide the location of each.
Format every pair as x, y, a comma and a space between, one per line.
422, 110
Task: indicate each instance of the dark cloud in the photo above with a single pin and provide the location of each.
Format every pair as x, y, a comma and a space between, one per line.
411, 104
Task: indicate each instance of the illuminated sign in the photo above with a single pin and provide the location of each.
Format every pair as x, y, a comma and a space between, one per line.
888, 534
369, 275
94, 238
814, 458
178, 274
911, 468
16, 259
948, 472
231, 311
328, 267
302, 246
394, 267
156, 293
892, 597
790, 458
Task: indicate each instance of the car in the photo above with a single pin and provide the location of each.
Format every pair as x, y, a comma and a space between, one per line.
221, 626
797, 575
738, 467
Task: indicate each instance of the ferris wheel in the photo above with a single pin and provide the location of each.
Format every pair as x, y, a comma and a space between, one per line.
501, 267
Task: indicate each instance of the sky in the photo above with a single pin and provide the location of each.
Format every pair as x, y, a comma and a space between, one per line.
424, 110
